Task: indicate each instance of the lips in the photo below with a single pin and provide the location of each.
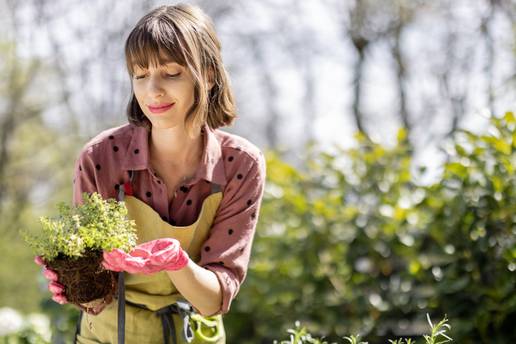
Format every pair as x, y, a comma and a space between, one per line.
160, 108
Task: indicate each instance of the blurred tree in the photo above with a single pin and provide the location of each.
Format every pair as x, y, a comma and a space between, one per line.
32, 156
18, 111
432, 77
403, 15
361, 33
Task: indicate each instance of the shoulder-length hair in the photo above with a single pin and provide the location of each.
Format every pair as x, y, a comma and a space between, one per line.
186, 35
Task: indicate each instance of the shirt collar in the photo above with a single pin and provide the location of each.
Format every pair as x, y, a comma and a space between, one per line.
212, 163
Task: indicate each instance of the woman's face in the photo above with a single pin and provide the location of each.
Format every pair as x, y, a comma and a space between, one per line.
165, 93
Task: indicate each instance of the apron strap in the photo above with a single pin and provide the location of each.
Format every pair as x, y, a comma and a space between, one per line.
184, 310
77, 328
126, 188
167, 324
215, 188
121, 308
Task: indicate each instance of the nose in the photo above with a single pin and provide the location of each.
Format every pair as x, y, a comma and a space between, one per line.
155, 88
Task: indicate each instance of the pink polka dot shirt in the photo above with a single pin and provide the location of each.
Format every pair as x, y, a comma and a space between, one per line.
228, 160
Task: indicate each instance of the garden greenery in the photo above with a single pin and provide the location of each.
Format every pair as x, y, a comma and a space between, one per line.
300, 335
355, 243
97, 224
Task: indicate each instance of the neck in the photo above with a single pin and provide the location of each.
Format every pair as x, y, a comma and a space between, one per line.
173, 146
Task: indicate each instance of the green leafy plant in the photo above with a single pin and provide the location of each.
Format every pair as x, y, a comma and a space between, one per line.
97, 224
437, 336
354, 339
438, 332
402, 341
300, 335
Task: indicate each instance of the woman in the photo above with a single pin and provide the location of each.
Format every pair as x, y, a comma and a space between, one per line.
193, 190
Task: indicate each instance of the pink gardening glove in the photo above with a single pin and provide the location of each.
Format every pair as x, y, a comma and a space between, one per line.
58, 290
55, 287
147, 258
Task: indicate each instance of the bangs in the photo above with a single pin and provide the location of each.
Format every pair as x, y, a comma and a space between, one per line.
185, 35
154, 43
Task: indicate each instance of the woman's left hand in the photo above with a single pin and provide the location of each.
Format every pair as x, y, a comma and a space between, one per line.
147, 258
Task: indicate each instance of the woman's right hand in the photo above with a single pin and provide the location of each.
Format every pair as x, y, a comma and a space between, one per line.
54, 286
58, 290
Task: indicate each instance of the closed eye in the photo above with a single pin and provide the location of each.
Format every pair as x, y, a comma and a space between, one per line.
137, 77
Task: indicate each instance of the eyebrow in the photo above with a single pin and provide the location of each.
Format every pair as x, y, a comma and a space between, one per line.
171, 62
166, 64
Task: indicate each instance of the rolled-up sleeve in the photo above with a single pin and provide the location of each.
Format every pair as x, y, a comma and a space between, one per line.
227, 250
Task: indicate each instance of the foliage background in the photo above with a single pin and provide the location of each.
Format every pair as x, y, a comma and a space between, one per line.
364, 249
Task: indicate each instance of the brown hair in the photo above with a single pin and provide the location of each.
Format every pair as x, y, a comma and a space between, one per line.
184, 34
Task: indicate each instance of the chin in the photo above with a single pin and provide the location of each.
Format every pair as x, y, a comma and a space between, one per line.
164, 124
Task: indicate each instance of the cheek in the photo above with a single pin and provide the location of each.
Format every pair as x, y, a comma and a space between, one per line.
189, 93
137, 92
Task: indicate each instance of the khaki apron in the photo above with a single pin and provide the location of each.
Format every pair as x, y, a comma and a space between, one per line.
147, 295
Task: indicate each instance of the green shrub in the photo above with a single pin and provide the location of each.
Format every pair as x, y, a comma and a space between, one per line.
97, 224
354, 244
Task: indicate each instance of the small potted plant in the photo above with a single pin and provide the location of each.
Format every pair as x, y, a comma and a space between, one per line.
72, 243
